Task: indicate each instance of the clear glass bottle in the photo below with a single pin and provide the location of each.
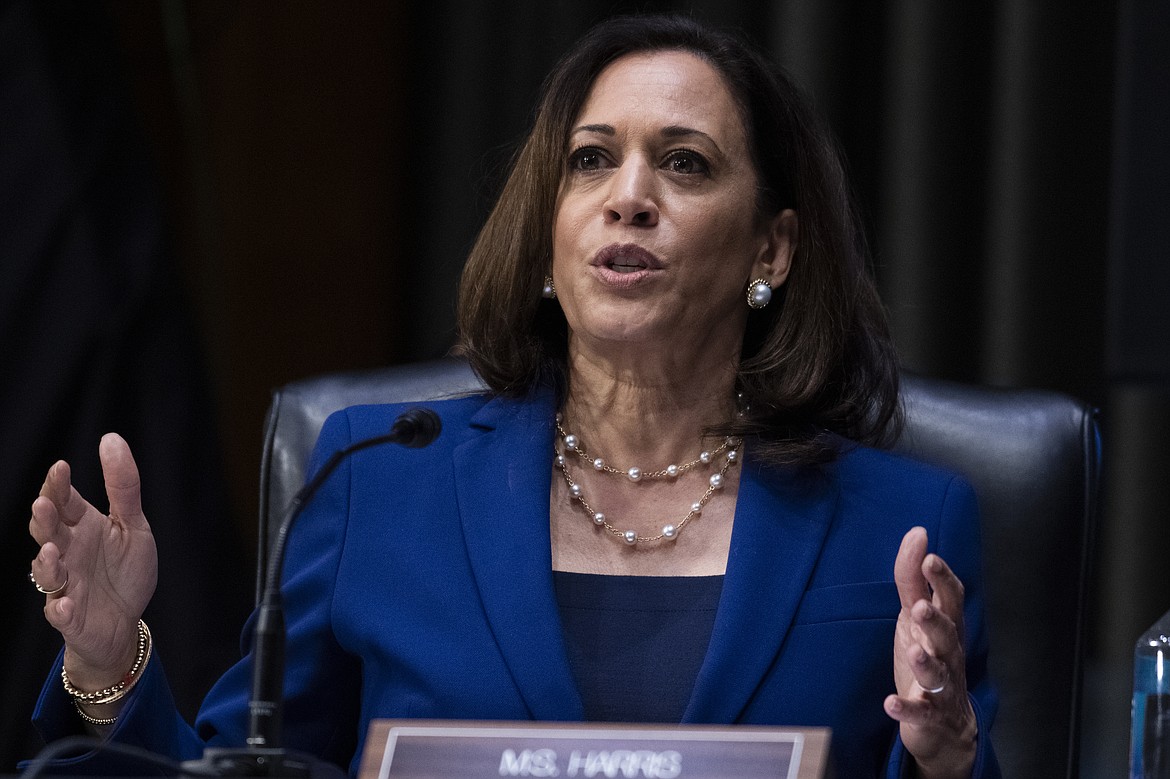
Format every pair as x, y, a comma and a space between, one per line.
1149, 756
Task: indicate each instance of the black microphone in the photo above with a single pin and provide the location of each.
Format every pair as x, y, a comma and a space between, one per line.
415, 428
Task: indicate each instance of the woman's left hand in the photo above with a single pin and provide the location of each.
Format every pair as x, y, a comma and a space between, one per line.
938, 725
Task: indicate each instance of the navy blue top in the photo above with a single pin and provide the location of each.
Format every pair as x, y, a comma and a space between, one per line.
636, 643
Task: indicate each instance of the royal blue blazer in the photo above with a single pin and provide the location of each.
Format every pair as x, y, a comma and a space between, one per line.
418, 584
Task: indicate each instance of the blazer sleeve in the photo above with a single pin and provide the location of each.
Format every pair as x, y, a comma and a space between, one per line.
956, 538
322, 681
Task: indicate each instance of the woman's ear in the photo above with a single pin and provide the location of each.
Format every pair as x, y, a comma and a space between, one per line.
775, 258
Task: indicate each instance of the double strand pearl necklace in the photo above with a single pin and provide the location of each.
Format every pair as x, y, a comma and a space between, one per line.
571, 443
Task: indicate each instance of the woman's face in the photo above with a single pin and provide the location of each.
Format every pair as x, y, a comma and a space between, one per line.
656, 233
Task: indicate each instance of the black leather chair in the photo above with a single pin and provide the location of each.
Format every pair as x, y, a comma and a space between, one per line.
1033, 458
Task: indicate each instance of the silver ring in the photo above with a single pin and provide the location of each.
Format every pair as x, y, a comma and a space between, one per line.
42, 590
934, 690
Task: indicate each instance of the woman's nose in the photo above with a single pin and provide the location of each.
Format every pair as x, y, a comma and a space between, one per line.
632, 198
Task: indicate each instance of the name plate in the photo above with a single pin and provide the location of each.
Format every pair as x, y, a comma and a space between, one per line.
438, 749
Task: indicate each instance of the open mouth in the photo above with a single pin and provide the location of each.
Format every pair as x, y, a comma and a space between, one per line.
626, 258
625, 264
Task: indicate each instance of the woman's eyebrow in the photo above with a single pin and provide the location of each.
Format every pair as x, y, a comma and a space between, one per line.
679, 131
604, 129
676, 130
670, 131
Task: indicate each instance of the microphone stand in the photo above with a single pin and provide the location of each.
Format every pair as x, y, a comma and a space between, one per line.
264, 755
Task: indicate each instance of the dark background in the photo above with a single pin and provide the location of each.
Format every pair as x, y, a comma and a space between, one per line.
201, 200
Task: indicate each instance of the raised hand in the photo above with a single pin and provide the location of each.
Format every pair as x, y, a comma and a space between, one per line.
100, 570
937, 722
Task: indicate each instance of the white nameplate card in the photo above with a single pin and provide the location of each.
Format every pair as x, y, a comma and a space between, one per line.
443, 749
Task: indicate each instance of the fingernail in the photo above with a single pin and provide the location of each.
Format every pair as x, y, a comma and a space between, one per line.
895, 705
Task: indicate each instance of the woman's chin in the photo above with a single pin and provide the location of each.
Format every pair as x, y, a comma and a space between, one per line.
618, 337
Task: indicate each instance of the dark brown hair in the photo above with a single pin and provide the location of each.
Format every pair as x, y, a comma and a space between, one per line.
817, 360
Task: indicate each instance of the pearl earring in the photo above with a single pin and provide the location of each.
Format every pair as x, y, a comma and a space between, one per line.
549, 292
759, 293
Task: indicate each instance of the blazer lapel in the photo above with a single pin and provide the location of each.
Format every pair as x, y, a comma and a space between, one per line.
503, 479
781, 520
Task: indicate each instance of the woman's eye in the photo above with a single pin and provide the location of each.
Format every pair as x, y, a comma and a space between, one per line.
685, 162
586, 159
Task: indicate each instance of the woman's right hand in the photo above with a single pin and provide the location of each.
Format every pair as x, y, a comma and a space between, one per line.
108, 564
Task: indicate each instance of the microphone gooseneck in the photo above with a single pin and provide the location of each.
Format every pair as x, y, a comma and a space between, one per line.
414, 428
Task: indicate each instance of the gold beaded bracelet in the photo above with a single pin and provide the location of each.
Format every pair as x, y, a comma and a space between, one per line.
115, 692
92, 720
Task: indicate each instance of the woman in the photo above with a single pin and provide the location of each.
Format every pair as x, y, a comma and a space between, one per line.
672, 294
